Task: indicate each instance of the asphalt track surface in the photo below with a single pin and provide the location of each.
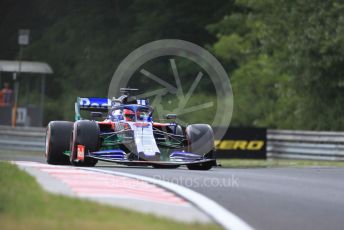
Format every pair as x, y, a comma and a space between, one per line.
265, 198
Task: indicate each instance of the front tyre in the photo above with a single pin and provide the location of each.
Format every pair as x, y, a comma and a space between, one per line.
57, 141
157, 166
201, 166
85, 133
200, 139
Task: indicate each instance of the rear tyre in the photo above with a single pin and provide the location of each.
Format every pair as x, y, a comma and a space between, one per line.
85, 133
57, 141
200, 139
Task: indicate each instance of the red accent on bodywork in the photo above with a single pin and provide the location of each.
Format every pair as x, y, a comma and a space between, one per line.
109, 123
81, 153
138, 124
105, 122
161, 124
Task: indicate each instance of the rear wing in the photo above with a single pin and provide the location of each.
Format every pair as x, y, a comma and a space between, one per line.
93, 104
96, 104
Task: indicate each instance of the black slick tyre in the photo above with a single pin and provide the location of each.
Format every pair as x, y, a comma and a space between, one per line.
200, 139
57, 141
85, 133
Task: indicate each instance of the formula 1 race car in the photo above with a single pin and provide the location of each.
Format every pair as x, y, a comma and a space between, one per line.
128, 135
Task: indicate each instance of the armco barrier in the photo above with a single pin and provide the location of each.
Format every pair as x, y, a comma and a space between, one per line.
22, 138
305, 145
280, 143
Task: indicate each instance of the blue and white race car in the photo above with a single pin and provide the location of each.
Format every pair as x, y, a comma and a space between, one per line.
128, 135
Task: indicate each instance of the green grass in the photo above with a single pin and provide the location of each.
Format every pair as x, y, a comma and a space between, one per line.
249, 163
24, 205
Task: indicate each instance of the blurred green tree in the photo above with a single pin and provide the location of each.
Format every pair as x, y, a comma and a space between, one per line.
287, 61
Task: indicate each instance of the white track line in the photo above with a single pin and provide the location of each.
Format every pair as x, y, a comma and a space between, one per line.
219, 214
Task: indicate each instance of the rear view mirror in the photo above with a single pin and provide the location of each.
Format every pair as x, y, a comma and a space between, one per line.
96, 115
171, 116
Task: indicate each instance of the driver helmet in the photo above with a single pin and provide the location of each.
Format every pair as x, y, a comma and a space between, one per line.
116, 115
141, 115
128, 114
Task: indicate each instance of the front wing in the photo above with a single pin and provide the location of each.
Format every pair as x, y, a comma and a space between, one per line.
176, 159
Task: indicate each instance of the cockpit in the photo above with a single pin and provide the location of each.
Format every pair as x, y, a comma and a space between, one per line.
131, 113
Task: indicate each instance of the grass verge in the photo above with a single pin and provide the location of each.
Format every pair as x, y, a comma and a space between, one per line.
24, 205
248, 163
